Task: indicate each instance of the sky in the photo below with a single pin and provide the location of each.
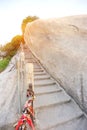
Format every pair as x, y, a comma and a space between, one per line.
12, 12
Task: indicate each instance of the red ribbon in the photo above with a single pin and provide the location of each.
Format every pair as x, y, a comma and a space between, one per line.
28, 120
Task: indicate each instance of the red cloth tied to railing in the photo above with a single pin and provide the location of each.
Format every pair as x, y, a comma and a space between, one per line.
27, 119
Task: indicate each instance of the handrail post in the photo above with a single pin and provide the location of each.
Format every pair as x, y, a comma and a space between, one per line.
18, 84
22, 67
30, 78
29, 75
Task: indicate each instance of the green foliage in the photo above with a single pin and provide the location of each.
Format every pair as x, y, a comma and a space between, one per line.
4, 63
10, 49
27, 20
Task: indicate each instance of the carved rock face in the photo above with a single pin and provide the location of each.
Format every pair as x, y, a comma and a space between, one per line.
61, 46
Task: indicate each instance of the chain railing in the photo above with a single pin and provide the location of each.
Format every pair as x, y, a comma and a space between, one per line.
25, 85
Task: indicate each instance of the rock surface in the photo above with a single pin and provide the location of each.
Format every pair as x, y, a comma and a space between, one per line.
51, 101
61, 46
54, 109
8, 96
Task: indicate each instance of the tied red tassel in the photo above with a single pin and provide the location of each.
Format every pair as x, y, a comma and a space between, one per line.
28, 120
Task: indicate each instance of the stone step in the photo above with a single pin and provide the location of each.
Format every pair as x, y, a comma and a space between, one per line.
79, 123
29, 56
41, 77
47, 89
38, 70
44, 82
40, 73
31, 61
48, 85
54, 109
57, 115
47, 92
37, 66
47, 100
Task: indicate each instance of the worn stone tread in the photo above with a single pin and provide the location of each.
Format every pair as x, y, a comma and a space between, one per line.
47, 100
54, 109
58, 115
44, 83
47, 89
79, 123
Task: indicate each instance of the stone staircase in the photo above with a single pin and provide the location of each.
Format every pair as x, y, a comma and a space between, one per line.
54, 109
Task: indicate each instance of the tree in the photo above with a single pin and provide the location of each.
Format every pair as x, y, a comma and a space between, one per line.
27, 20
11, 47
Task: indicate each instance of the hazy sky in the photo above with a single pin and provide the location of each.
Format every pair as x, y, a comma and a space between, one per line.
12, 12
